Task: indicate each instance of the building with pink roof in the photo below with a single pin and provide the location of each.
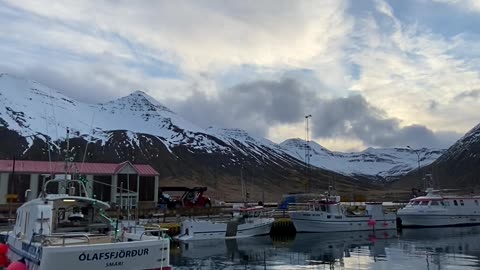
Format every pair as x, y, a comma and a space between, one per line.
119, 184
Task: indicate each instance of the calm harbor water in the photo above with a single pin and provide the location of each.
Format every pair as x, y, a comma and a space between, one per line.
432, 248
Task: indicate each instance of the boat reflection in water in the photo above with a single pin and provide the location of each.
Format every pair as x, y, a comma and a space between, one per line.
219, 253
441, 247
332, 248
229, 247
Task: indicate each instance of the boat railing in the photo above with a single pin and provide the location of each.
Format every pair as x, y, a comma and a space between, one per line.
299, 206
49, 240
154, 229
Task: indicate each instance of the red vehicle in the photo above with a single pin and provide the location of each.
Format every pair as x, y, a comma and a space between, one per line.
192, 197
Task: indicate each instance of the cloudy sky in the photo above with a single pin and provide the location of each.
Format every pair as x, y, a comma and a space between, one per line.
371, 73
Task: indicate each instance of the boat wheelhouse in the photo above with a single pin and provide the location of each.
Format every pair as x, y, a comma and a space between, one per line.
329, 215
438, 208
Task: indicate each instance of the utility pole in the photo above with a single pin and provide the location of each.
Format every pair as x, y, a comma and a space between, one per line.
425, 186
307, 153
263, 180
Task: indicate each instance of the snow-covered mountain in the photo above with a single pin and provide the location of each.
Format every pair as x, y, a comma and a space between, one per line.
32, 109
382, 163
139, 128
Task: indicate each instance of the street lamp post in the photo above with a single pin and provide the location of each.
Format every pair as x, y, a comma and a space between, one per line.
418, 161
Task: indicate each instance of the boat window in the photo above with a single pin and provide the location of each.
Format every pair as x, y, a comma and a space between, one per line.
476, 202
446, 203
424, 203
442, 203
461, 203
416, 203
455, 202
433, 203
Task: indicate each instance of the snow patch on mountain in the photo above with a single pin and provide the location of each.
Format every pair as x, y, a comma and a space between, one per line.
385, 163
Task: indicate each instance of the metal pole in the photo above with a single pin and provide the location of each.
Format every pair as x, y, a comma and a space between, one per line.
418, 164
307, 153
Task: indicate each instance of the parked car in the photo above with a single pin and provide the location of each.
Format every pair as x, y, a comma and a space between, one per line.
191, 197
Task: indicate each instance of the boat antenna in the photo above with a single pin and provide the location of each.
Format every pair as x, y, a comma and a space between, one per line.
53, 113
67, 158
47, 141
88, 141
243, 187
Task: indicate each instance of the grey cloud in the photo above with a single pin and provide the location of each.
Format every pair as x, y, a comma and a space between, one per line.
343, 116
353, 117
433, 105
474, 94
252, 106
259, 105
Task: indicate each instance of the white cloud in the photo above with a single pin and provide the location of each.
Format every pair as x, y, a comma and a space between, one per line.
468, 5
402, 72
211, 35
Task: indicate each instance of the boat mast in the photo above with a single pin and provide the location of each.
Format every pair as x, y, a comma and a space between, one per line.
67, 158
244, 195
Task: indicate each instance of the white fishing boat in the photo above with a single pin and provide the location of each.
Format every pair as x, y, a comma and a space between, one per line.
438, 208
329, 215
246, 222
70, 230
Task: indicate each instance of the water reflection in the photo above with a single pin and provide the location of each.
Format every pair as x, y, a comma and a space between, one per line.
443, 248
331, 248
435, 248
242, 253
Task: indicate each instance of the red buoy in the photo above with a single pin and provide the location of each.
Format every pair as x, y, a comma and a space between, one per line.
3, 249
3, 260
17, 266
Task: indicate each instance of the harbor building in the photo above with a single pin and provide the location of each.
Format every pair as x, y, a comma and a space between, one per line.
103, 181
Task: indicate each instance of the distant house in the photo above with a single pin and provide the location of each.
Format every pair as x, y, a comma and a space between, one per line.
140, 182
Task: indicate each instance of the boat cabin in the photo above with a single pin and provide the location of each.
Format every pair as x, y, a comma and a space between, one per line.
435, 198
56, 214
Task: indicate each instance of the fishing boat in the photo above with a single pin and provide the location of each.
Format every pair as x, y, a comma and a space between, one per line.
329, 215
246, 222
439, 208
70, 230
